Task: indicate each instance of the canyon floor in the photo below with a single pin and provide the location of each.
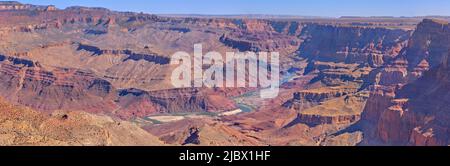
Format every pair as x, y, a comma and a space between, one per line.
92, 76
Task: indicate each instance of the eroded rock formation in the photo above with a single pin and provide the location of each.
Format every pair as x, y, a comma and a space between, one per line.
408, 109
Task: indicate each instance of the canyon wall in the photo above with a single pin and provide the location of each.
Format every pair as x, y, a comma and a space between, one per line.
408, 105
362, 45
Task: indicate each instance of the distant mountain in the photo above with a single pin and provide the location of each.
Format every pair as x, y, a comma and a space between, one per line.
13, 5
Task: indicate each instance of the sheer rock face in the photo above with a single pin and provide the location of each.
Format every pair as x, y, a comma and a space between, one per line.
330, 43
430, 42
409, 104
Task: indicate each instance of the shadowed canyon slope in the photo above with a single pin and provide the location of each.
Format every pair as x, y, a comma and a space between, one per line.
91, 76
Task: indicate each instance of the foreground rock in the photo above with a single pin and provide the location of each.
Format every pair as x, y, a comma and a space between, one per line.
24, 126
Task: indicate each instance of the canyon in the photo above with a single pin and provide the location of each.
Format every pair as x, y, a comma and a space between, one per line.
92, 76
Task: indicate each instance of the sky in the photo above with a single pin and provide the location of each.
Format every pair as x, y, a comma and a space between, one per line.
326, 8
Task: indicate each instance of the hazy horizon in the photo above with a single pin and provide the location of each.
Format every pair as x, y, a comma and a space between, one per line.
318, 8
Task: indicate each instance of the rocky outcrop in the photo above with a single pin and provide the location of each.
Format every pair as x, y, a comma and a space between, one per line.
318, 96
193, 137
430, 136
393, 74
157, 59
429, 42
314, 120
422, 67
390, 123
320, 66
17, 61
335, 74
